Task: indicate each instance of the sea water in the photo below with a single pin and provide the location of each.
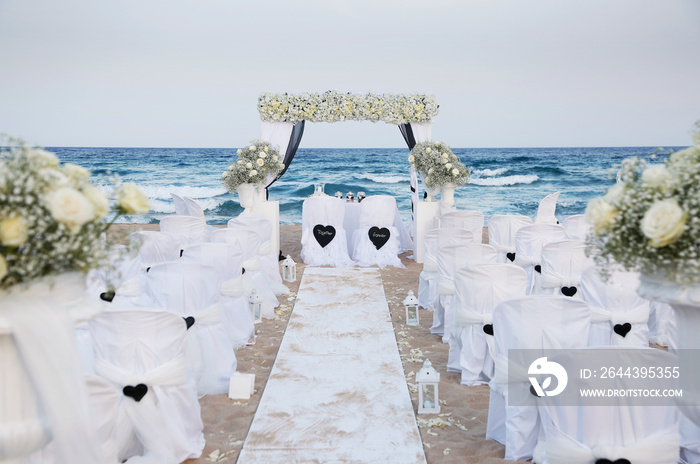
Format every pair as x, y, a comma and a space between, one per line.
503, 180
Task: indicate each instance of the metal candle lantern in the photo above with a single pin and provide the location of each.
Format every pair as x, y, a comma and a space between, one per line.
427, 379
255, 305
411, 305
289, 269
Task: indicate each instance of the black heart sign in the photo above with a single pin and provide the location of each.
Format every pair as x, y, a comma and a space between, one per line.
137, 392
616, 461
622, 329
378, 236
538, 268
324, 234
107, 296
568, 291
189, 320
511, 256
488, 329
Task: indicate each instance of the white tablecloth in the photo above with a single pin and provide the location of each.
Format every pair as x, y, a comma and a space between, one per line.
352, 223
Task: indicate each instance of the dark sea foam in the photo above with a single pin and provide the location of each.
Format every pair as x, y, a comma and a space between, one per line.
503, 181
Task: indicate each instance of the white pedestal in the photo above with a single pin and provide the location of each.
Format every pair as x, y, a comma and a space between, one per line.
271, 211
425, 214
241, 386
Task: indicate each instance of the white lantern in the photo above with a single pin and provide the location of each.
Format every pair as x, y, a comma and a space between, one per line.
411, 305
255, 305
289, 269
427, 379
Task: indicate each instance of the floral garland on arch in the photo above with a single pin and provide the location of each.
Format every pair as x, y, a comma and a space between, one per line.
438, 165
650, 220
334, 106
51, 217
257, 163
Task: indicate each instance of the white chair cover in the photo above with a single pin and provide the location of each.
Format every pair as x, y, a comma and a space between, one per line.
529, 241
478, 289
372, 246
180, 205
323, 236
473, 221
659, 320
249, 243
536, 322
582, 434
137, 348
427, 281
196, 210
563, 264
227, 259
619, 314
576, 227
502, 230
193, 290
269, 260
155, 247
187, 230
546, 210
444, 237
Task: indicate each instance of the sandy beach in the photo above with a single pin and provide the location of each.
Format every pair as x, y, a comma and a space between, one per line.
456, 435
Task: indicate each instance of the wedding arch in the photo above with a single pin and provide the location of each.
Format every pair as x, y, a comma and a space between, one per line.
284, 115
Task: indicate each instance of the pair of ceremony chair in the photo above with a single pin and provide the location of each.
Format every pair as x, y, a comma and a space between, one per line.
529, 241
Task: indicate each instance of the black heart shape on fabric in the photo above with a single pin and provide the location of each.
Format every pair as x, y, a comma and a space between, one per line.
324, 234
107, 296
622, 329
189, 320
137, 392
181, 252
148, 268
569, 291
538, 268
511, 256
616, 461
242, 270
488, 329
378, 236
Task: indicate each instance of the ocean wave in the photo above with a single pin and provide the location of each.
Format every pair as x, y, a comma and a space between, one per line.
489, 172
379, 179
507, 180
162, 192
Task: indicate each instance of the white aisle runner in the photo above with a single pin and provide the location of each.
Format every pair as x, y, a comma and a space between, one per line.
337, 392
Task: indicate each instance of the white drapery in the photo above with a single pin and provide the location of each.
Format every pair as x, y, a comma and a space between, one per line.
278, 134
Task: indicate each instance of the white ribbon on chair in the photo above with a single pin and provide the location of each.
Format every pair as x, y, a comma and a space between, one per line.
430, 265
266, 248
552, 279
131, 287
238, 286
252, 265
663, 446
464, 317
211, 315
638, 315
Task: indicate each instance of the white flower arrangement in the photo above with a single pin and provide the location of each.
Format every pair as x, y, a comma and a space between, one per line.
51, 218
334, 106
650, 221
257, 163
438, 165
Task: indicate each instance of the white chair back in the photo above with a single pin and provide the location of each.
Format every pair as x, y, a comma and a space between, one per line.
155, 247
473, 221
180, 205
576, 227
502, 230
563, 264
194, 208
546, 209
186, 230
323, 236
529, 241
376, 240
226, 258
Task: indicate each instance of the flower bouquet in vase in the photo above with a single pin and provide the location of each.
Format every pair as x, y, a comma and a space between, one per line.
256, 166
52, 227
440, 170
649, 222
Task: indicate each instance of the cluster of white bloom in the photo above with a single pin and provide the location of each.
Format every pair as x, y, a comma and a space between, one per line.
650, 221
438, 165
51, 217
257, 163
334, 106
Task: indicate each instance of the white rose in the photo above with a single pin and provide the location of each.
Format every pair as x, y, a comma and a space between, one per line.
448, 165
455, 172
266, 148
260, 162
3, 267
664, 222
251, 148
443, 161
411, 159
77, 174
281, 166
70, 207
14, 231
98, 200
657, 177
239, 151
248, 166
428, 150
224, 175
253, 173
600, 215
132, 200
239, 162
445, 156
262, 154
430, 171
230, 168
437, 144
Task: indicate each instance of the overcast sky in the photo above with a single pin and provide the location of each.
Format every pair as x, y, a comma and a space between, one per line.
173, 73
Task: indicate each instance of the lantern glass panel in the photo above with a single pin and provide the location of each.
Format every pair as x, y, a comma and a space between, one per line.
428, 396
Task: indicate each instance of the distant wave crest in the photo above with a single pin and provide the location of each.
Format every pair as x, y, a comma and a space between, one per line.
489, 172
384, 179
507, 180
162, 192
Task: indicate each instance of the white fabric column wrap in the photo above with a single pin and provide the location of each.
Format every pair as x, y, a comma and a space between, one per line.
277, 133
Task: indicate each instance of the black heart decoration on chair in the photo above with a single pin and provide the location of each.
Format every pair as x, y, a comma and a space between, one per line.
511, 257
107, 296
622, 329
569, 291
616, 461
189, 320
324, 234
538, 268
137, 392
488, 329
378, 236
